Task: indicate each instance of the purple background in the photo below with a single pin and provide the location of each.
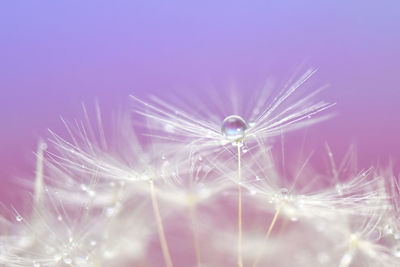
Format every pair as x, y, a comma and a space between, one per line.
56, 54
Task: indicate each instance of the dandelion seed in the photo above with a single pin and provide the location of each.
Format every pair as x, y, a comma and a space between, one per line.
270, 117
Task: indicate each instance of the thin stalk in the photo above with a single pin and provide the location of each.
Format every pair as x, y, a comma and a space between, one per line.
160, 227
193, 218
271, 226
39, 182
240, 258
347, 258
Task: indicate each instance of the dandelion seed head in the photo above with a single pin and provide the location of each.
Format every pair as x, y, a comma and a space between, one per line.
234, 128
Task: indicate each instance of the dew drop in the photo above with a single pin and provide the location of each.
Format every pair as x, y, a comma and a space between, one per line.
245, 149
169, 128
339, 189
238, 143
388, 229
346, 259
83, 187
110, 211
284, 193
67, 261
43, 146
396, 251
59, 218
18, 218
233, 128
57, 257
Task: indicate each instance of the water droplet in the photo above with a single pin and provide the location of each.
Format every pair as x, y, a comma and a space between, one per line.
57, 257
387, 229
339, 189
60, 218
258, 178
245, 149
169, 128
110, 211
347, 259
35, 264
18, 218
233, 128
93, 243
396, 251
67, 261
294, 219
238, 143
284, 193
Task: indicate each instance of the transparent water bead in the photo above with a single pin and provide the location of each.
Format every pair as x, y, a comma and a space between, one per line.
234, 128
284, 193
396, 251
68, 261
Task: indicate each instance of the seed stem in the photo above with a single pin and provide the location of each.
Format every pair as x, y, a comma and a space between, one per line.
193, 217
271, 226
240, 258
160, 227
39, 182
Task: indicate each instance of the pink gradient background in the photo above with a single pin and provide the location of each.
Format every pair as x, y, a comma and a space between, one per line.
56, 54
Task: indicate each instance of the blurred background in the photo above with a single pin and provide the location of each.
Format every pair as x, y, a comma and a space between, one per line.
54, 55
